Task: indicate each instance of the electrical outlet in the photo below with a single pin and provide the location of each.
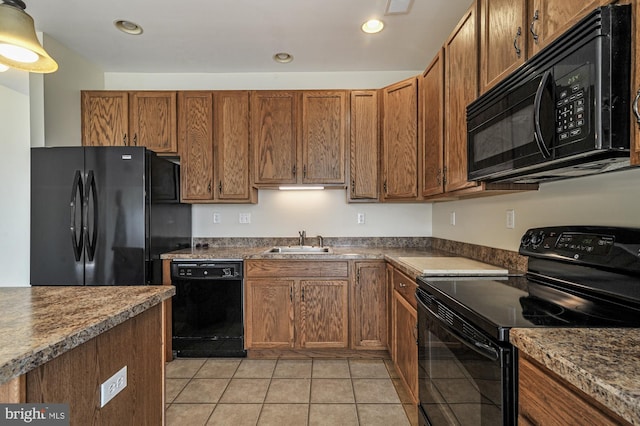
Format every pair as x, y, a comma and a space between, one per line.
360, 218
113, 386
244, 217
511, 219
216, 217
452, 218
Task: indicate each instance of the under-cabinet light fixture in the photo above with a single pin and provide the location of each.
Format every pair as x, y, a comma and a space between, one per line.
19, 45
300, 188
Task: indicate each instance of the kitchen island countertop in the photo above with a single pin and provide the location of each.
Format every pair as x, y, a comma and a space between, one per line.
602, 363
40, 323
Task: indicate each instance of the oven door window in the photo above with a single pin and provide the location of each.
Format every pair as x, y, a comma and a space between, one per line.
459, 385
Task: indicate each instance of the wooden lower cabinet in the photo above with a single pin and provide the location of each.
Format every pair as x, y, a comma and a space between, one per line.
369, 306
296, 304
404, 348
546, 399
75, 376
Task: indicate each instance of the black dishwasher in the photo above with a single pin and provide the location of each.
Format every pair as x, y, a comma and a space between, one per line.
207, 309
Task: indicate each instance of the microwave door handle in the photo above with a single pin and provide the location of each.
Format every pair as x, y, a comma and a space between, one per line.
537, 106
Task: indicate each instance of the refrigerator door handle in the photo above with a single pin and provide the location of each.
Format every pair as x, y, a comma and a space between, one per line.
91, 235
76, 241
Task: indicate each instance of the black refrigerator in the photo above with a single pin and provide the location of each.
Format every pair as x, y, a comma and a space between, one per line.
103, 215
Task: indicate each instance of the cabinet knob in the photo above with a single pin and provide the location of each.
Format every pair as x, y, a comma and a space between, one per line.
304, 171
135, 139
384, 186
209, 187
294, 170
635, 107
220, 187
124, 140
531, 27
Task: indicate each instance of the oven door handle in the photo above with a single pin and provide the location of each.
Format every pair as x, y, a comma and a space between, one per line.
479, 347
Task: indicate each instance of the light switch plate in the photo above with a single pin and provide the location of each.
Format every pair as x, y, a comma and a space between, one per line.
113, 386
216, 217
244, 217
360, 218
511, 219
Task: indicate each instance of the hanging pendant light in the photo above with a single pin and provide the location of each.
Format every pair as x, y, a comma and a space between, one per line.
19, 45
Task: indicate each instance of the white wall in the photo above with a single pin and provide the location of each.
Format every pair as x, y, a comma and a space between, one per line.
14, 179
62, 94
607, 199
284, 213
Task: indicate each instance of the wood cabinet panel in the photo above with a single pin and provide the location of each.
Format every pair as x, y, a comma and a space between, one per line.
546, 399
461, 87
269, 313
503, 37
433, 119
195, 130
297, 268
369, 306
75, 376
105, 118
550, 18
365, 146
400, 140
275, 136
153, 121
324, 136
324, 320
231, 141
405, 349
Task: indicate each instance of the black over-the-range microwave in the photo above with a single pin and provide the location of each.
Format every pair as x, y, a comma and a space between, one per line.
564, 113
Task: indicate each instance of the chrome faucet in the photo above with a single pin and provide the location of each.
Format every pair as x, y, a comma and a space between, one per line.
303, 235
320, 240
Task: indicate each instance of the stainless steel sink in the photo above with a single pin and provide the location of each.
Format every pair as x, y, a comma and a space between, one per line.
298, 250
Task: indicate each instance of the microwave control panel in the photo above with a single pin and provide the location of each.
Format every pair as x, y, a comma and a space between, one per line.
572, 106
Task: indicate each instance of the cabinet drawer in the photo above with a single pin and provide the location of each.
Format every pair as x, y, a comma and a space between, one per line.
406, 287
297, 268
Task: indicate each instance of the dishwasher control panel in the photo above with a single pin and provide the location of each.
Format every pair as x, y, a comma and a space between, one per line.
206, 269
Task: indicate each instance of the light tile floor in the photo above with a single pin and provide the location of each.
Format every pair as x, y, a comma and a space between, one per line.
230, 391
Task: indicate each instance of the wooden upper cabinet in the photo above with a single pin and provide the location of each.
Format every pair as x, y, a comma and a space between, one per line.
153, 121
105, 118
195, 131
635, 92
365, 146
400, 140
324, 136
120, 118
432, 113
548, 19
274, 135
461, 88
503, 38
231, 143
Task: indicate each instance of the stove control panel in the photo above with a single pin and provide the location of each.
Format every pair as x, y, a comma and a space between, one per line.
612, 247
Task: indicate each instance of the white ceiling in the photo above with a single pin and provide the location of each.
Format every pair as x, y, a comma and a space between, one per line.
230, 36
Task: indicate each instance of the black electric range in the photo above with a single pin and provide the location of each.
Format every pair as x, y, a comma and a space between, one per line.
577, 276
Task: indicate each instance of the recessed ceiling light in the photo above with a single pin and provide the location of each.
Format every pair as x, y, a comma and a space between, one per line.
128, 27
372, 26
283, 57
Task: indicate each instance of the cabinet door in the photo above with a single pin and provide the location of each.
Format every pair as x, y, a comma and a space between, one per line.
461, 87
324, 136
269, 314
432, 102
635, 74
323, 319
275, 136
365, 149
400, 140
105, 118
195, 130
550, 18
369, 306
231, 146
153, 121
503, 36
405, 348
